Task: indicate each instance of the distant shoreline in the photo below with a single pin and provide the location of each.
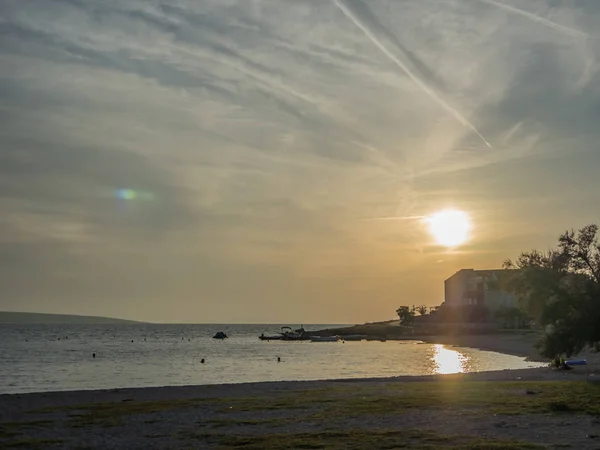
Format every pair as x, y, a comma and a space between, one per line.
10, 317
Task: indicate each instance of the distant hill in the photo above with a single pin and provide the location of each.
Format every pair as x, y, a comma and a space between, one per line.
21, 317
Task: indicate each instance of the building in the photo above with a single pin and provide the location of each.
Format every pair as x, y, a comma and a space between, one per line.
478, 287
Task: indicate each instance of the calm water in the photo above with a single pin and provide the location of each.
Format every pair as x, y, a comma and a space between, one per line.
35, 358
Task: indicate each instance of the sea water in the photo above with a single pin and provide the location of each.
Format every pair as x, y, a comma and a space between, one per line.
36, 358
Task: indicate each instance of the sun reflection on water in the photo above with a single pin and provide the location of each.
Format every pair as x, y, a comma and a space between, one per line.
448, 361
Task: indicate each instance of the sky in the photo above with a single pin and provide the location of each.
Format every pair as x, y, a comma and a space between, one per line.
271, 161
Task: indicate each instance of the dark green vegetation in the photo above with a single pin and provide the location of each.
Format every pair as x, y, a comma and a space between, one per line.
20, 317
111, 414
15, 435
11, 429
382, 439
348, 416
561, 290
32, 443
495, 397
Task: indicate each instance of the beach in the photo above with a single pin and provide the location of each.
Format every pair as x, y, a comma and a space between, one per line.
508, 343
533, 408
511, 342
517, 409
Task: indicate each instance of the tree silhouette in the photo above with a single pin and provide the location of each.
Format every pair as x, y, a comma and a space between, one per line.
405, 314
561, 290
421, 309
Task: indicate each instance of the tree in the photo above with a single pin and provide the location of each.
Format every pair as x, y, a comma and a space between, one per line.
561, 290
512, 316
462, 314
406, 315
421, 309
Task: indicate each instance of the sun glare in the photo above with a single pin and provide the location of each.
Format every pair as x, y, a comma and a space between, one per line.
450, 228
448, 361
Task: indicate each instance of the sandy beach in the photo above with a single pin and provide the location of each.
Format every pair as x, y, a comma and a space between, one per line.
517, 343
510, 344
518, 409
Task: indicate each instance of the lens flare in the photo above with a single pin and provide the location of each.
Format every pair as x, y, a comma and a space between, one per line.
126, 194
132, 194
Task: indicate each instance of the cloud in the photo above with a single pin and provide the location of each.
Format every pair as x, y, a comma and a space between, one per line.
538, 19
258, 136
402, 65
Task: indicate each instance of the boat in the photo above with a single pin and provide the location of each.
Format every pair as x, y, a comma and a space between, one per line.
324, 339
294, 335
287, 334
220, 335
276, 337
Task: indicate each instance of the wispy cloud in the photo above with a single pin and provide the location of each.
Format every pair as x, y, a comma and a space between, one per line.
538, 19
402, 65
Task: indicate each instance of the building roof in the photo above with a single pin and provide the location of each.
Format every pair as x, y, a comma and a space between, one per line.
484, 273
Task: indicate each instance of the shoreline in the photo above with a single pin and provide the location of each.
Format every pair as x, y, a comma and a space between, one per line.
467, 341
509, 344
492, 343
225, 390
515, 345
519, 343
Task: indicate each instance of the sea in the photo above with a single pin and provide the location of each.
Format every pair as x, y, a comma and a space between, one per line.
50, 357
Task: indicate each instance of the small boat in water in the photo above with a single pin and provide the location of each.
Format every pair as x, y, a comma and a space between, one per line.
220, 335
287, 334
276, 337
294, 335
324, 339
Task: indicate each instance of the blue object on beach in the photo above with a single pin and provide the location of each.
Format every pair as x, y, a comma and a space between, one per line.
576, 362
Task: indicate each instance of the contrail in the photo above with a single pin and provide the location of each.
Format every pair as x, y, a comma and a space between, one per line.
510, 133
457, 115
558, 27
410, 60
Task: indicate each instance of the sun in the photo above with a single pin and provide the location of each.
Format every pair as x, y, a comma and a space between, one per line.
450, 227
